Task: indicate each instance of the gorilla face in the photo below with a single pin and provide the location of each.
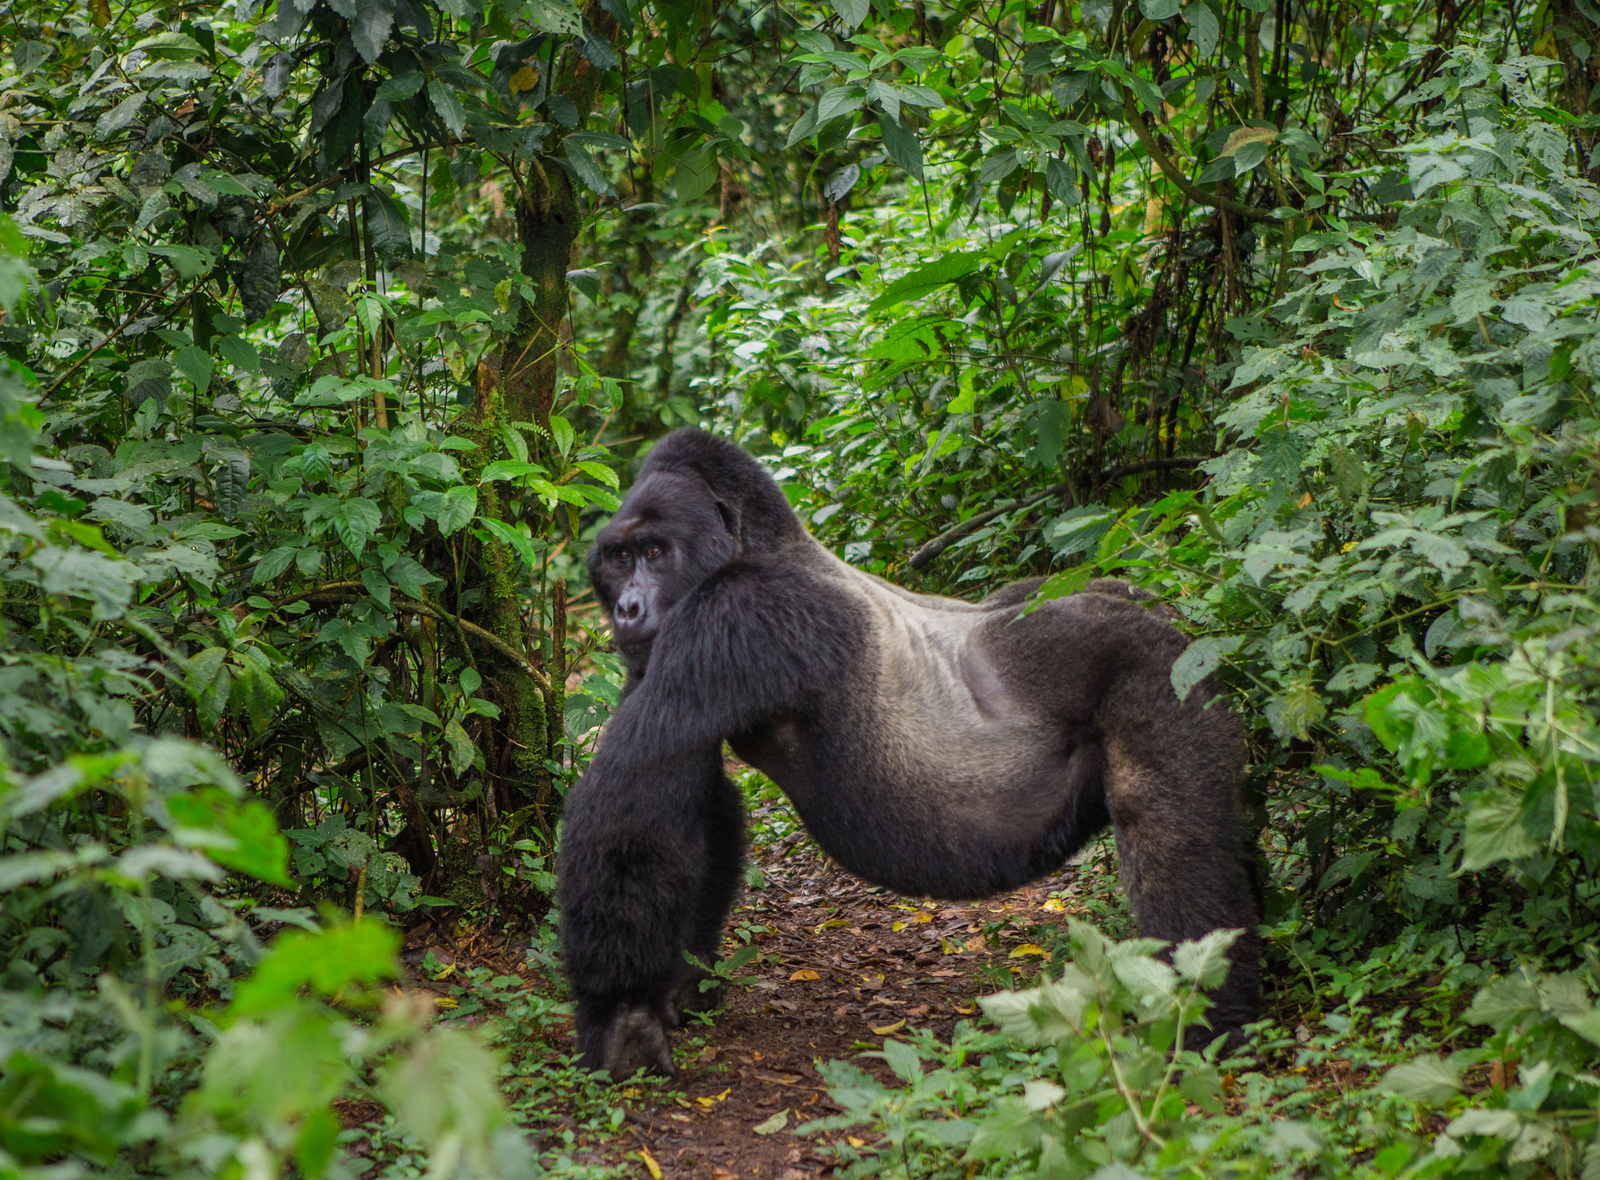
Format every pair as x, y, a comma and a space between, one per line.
670, 534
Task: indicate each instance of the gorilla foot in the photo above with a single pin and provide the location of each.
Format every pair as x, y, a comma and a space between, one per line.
633, 1039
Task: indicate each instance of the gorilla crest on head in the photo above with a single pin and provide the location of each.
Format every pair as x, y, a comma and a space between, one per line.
932, 745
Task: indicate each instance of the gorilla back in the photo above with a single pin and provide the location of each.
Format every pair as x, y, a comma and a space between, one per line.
932, 745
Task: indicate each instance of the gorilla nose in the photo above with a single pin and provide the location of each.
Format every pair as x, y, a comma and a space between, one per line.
629, 612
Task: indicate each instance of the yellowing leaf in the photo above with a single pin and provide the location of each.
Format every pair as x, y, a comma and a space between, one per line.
886, 1029
806, 974
1248, 135
963, 1011
650, 1164
1055, 905
1026, 949
923, 919
714, 1099
898, 926
526, 79
831, 923
854, 1142
773, 1125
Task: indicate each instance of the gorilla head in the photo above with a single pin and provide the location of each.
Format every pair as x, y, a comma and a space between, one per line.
670, 536
698, 505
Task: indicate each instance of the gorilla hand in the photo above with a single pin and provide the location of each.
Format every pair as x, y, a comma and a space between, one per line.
632, 1038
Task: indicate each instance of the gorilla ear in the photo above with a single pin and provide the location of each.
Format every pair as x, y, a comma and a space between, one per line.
730, 518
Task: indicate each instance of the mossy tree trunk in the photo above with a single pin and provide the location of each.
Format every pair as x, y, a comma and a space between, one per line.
517, 389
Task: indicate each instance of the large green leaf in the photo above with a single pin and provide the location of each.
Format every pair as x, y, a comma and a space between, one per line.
239, 834
928, 278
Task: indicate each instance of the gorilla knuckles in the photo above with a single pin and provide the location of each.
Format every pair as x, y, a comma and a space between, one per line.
933, 745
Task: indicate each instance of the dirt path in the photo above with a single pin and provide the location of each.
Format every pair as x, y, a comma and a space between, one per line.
854, 965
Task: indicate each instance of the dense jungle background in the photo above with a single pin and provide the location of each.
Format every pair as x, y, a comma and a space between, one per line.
332, 330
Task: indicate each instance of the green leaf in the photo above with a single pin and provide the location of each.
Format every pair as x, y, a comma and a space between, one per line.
378, 586
457, 507
1159, 10
839, 101
386, 223
233, 483
928, 278
260, 281
556, 17
370, 30
239, 834
1062, 180
356, 522
448, 104
189, 262
902, 146
1199, 660
410, 576
852, 12
274, 564
903, 1060
599, 471
119, 116
561, 430
239, 353
587, 170
1204, 28
1495, 832
328, 962
1205, 962
463, 751
1429, 1078
695, 173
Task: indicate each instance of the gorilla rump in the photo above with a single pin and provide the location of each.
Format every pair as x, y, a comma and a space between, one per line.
935, 746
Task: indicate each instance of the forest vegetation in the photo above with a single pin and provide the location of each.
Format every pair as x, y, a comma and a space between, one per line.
332, 330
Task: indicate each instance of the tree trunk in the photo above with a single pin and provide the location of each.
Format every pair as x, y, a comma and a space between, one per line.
517, 388
1580, 74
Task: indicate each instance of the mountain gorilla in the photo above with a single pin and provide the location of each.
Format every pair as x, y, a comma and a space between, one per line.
939, 747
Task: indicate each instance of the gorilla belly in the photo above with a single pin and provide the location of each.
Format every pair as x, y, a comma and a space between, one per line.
960, 790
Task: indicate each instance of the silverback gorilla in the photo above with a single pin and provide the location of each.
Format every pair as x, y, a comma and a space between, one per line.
935, 746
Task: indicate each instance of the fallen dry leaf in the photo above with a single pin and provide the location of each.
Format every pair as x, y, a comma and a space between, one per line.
709, 1053
773, 1125
805, 974
650, 1164
944, 973
708, 1103
1028, 948
723, 1174
919, 1010
886, 1029
781, 1079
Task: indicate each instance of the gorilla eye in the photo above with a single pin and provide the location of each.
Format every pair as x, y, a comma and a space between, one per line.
621, 553
653, 552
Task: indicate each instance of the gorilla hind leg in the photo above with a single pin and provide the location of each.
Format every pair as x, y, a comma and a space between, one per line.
1172, 773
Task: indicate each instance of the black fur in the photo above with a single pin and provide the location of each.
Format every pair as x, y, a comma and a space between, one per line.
935, 746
